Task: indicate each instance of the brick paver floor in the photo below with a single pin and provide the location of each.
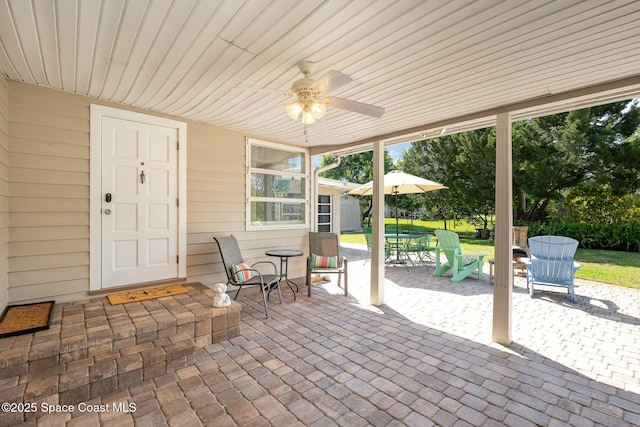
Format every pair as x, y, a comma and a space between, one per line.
424, 358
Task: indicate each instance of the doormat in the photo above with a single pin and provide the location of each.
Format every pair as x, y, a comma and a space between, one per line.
25, 318
145, 294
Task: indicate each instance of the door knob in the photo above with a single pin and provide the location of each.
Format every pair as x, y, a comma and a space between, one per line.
107, 211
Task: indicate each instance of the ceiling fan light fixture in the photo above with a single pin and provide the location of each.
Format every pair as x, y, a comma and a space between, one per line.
311, 103
294, 109
308, 117
311, 110
318, 109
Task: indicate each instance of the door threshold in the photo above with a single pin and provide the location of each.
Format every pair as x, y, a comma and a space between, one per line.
137, 286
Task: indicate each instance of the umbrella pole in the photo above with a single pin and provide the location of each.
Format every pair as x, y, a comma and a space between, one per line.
397, 238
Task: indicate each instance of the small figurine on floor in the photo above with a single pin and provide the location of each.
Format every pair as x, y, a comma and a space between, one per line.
220, 299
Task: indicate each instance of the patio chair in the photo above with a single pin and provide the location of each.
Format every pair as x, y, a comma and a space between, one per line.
421, 248
366, 231
461, 264
551, 263
392, 228
324, 258
241, 274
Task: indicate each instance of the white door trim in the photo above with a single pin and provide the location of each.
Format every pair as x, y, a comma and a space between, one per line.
95, 199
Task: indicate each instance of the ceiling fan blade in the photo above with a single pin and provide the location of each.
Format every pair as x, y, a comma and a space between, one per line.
331, 81
355, 106
321, 127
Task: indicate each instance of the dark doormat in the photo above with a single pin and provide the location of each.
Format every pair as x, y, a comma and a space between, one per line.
25, 318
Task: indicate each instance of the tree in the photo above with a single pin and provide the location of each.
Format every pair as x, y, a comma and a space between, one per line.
546, 160
463, 162
596, 146
356, 168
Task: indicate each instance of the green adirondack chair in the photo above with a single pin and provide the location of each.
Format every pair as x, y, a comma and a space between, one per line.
461, 264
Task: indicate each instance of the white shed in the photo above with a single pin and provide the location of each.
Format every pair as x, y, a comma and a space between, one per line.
349, 213
329, 205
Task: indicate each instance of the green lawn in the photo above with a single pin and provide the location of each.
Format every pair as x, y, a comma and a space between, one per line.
617, 268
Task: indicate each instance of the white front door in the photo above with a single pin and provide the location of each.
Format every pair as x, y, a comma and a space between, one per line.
139, 202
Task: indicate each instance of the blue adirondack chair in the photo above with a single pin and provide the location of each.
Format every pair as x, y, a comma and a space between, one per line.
551, 263
462, 265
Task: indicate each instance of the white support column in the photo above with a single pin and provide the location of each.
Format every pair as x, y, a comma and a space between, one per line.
377, 229
503, 281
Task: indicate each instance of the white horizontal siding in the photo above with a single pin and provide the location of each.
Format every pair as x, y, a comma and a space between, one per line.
30, 248
46, 262
36, 233
216, 192
68, 290
49, 187
4, 191
47, 215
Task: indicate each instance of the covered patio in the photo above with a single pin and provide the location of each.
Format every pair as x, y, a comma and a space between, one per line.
425, 358
215, 73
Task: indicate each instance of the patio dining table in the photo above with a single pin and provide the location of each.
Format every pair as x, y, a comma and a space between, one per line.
284, 255
393, 240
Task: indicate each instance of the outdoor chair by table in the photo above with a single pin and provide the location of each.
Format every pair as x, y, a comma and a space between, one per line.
397, 242
324, 258
551, 263
462, 265
241, 274
391, 241
366, 231
421, 247
392, 229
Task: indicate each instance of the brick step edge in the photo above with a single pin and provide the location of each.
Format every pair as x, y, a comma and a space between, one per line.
108, 373
217, 325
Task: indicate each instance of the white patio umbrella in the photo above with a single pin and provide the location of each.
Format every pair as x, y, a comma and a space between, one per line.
397, 182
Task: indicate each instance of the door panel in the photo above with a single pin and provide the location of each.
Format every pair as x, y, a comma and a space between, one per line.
158, 250
140, 224
124, 255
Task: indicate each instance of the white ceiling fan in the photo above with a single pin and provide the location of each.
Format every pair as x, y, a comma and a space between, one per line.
311, 103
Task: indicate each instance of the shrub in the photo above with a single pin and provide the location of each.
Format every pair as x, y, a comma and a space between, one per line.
617, 236
600, 205
597, 218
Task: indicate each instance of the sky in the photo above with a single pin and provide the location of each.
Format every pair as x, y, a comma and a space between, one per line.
395, 151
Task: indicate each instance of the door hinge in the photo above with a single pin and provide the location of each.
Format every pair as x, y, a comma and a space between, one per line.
177, 145
177, 259
177, 202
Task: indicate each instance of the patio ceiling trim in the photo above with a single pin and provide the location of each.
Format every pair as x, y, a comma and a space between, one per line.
604, 93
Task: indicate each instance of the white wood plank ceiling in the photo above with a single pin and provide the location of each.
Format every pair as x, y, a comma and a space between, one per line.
426, 62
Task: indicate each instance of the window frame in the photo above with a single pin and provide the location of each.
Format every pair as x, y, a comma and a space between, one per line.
283, 201
330, 213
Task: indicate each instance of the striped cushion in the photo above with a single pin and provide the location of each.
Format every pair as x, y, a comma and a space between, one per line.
242, 272
318, 261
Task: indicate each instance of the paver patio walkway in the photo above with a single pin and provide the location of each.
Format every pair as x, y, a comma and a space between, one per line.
422, 359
